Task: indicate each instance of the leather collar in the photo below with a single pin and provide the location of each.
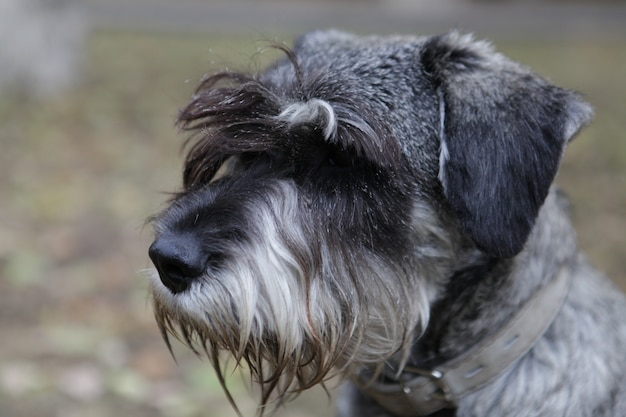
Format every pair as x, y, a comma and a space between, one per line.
420, 392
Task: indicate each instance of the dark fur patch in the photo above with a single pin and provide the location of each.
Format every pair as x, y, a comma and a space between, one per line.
438, 55
226, 120
233, 114
505, 131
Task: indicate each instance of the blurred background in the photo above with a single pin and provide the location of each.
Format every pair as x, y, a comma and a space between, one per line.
88, 94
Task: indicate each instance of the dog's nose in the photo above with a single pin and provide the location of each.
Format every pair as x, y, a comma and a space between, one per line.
179, 261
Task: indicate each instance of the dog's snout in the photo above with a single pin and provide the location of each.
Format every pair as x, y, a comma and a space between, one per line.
179, 261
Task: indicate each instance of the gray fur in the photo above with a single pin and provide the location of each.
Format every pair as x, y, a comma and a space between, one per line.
374, 202
577, 369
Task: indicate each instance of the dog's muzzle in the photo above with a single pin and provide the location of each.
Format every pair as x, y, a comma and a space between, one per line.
179, 259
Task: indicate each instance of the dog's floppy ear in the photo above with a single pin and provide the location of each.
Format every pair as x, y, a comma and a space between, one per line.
503, 130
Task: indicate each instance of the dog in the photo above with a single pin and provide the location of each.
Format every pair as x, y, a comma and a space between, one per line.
381, 209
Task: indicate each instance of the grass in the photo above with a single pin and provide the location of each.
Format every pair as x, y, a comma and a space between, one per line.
79, 173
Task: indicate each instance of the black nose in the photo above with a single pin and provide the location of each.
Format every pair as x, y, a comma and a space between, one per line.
179, 259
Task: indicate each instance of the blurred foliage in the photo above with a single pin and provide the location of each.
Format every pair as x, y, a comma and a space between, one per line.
80, 172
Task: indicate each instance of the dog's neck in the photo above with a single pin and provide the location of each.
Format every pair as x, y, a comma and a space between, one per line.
457, 306
482, 301
481, 298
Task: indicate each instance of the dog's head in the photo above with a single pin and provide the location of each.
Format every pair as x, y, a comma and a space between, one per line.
327, 201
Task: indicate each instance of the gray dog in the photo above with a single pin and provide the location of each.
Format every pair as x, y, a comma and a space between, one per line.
381, 209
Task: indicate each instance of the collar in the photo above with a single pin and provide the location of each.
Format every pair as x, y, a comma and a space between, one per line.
420, 392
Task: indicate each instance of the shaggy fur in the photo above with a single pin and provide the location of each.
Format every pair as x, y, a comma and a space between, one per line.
369, 203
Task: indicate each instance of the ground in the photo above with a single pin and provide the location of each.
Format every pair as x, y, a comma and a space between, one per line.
81, 171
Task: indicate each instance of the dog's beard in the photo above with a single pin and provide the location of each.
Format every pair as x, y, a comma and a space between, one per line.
295, 304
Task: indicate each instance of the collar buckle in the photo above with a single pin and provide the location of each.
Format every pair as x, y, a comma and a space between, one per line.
443, 392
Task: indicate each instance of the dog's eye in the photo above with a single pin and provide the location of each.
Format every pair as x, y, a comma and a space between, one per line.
340, 158
228, 167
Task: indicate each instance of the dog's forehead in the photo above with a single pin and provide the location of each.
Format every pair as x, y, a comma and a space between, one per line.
350, 47
384, 74
348, 54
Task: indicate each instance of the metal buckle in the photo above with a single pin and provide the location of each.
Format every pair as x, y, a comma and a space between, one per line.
436, 376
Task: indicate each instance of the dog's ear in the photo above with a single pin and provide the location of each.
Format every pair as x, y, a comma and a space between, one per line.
503, 130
